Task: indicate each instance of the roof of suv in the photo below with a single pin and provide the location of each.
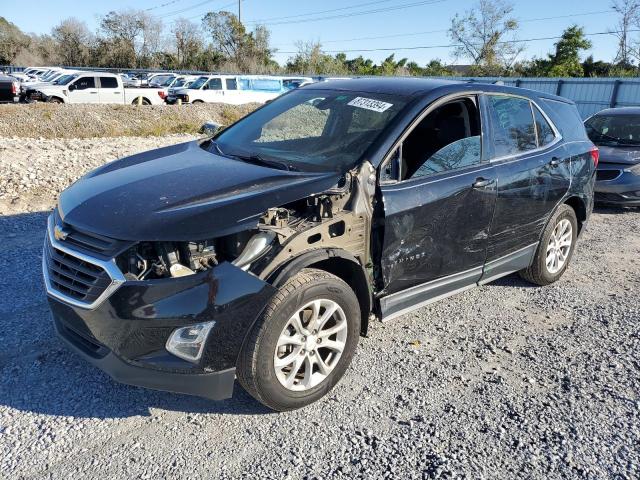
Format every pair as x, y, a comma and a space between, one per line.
410, 86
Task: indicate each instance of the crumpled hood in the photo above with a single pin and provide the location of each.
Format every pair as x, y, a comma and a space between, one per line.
624, 155
181, 192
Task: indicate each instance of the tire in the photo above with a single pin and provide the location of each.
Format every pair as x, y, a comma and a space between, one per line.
144, 101
540, 272
257, 371
54, 100
196, 101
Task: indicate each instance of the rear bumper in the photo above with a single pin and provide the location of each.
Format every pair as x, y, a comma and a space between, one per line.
214, 386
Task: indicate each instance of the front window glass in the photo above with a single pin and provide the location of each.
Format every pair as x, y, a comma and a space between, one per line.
512, 125
312, 130
85, 82
199, 83
448, 138
614, 130
214, 84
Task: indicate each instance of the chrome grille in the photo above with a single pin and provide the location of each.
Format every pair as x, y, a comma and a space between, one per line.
74, 277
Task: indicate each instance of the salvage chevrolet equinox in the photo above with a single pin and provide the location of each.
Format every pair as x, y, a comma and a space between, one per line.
263, 252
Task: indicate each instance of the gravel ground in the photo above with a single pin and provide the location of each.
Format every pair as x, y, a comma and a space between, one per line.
504, 381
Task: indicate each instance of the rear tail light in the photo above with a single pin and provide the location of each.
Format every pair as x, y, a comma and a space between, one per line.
595, 155
162, 94
14, 88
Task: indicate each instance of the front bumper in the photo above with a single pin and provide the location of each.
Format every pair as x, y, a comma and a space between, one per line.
125, 331
214, 385
622, 189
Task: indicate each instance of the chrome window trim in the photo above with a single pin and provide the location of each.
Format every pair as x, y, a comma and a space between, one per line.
110, 267
556, 132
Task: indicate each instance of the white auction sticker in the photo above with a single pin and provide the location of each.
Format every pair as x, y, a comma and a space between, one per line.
370, 104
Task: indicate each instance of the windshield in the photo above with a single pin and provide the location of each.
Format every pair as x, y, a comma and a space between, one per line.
180, 82
64, 79
312, 130
199, 83
614, 129
161, 80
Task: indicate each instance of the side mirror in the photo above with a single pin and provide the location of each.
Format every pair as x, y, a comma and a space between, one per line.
72, 87
210, 128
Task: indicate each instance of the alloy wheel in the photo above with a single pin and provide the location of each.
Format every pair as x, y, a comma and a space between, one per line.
310, 345
559, 246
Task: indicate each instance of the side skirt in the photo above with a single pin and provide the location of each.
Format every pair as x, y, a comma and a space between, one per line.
400, 303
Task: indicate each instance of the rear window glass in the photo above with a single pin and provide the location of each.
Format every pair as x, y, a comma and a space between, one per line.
512, 125
231, 84
545, 132
108, 82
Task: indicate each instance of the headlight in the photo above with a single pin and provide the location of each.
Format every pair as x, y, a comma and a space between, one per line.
635, 169
188, 342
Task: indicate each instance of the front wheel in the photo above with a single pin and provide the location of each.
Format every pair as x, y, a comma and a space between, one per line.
555, 249
197, 101
303, 343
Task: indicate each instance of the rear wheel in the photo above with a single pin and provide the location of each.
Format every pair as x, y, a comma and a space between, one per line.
145, 101
303, 343
197, 101
55, 100
555, 249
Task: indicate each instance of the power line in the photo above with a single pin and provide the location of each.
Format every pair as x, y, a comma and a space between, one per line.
172, 2
453, 45
319, 12
200, 15
354, 14
186, 9
396, 35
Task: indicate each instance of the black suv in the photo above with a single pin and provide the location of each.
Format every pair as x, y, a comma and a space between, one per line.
265, 251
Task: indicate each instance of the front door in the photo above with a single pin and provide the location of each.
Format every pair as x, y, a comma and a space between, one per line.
437, 216
84, 90
533, 173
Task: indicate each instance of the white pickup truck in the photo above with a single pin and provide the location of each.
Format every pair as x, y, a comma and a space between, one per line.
98, 87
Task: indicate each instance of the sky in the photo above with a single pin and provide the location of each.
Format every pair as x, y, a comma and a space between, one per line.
354, 26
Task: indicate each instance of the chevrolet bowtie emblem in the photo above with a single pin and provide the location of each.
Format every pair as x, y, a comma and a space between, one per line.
60, 233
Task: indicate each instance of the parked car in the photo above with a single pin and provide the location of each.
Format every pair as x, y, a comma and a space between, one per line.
263, 251
29, 92
98, 87
209, 89
130, 81
616, 131
20, 76
9, 89
180, 84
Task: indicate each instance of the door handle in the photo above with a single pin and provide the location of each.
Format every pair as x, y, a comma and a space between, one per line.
93, 93
482, 182
555, 162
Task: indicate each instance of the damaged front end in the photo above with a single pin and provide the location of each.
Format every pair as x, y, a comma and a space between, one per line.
175, 313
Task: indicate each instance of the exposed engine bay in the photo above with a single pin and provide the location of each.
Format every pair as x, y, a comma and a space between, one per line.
339, 218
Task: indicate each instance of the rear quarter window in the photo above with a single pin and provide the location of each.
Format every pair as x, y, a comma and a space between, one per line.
566, 118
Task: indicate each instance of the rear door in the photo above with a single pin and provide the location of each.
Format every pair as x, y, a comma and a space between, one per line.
437, 216
84, 90
110, 91
533, 174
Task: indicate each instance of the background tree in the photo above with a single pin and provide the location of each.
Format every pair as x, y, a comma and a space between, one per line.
311, 60
628, 17
188, 43
486, 35
73, 40
12, 41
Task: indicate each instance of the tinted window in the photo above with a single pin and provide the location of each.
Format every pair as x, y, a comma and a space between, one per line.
566, 118
84, 83
214, 84
108, 82
545, 132
231, 84
613, 130
448, 138
512, 125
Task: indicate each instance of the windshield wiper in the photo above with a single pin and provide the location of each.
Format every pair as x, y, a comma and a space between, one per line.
258, 160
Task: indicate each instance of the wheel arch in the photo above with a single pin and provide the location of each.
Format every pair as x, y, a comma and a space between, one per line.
339, 263
56, 97
580, 208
